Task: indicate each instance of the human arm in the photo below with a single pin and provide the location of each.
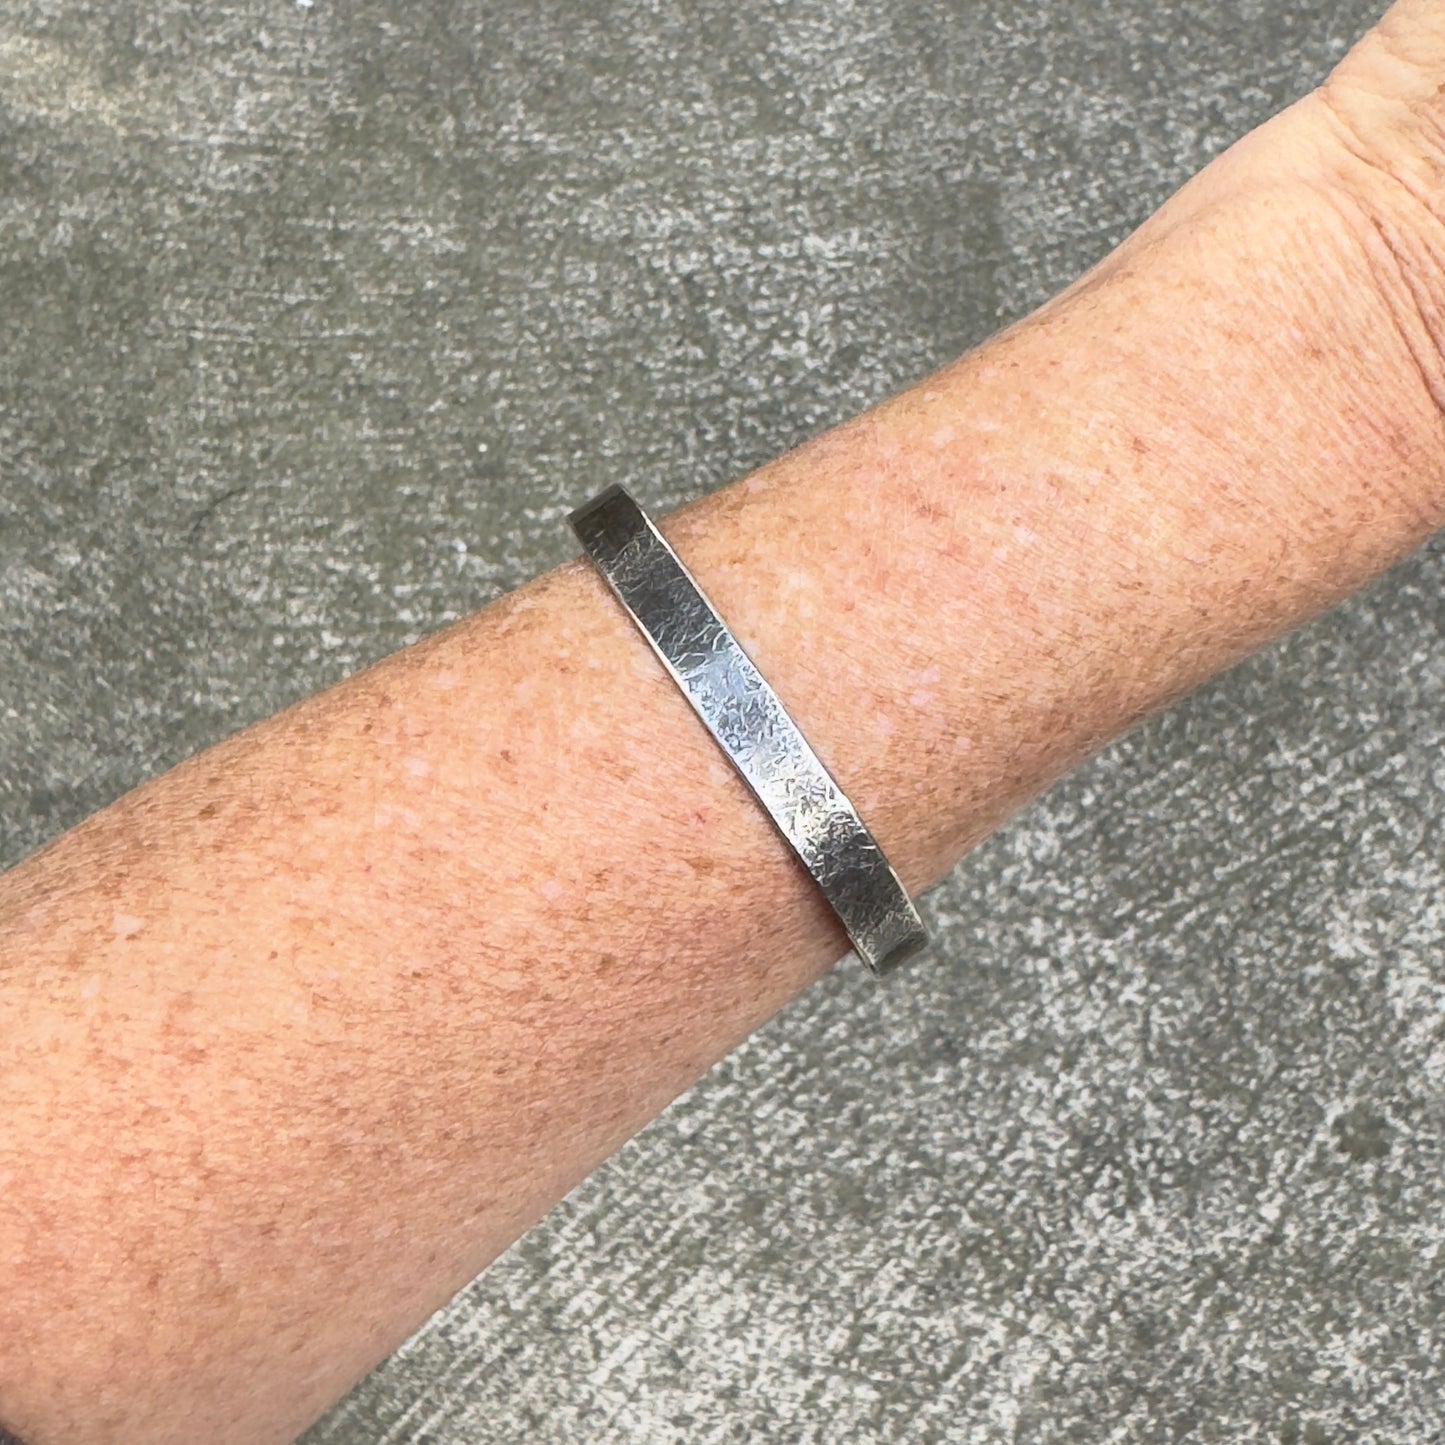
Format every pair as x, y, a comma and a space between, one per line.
1064, 654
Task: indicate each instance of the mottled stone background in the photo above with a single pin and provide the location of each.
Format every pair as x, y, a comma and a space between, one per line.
314, 318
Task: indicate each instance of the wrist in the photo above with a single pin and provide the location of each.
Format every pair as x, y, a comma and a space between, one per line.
1376, 130
1207, 440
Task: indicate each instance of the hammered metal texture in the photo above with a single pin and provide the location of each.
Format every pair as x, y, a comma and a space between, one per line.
319, 318
752, 727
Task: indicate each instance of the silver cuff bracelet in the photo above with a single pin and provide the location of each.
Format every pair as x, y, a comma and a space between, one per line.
752, 727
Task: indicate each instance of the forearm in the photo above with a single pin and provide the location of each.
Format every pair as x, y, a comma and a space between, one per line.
302, 1034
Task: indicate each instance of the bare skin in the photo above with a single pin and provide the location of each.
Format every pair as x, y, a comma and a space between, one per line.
298, 1037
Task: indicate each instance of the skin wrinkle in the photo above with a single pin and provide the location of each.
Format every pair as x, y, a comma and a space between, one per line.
360, 1018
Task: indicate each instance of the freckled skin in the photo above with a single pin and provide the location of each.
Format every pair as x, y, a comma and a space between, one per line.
299, 1036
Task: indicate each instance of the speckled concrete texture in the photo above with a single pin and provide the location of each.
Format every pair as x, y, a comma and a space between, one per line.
316, 319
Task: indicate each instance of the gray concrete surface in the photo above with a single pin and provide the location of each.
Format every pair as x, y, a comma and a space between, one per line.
317, 317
